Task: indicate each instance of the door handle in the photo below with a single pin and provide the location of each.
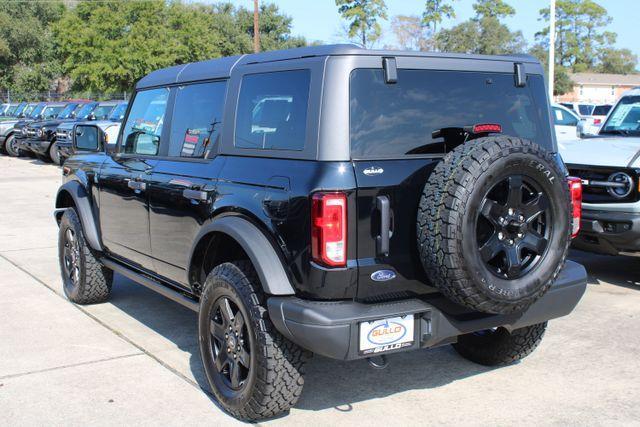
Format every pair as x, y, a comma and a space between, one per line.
137, 185
382, 241
197, 195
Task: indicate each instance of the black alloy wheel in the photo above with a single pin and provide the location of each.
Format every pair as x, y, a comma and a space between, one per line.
71, 257
513, 226
230, 344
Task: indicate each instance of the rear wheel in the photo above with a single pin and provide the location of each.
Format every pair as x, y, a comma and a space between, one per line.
495, 347
253, 371
494, 224
11, 145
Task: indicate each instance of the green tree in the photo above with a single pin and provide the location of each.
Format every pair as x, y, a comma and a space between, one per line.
562, 82
483, 34
435, 11
27, 49
493, 9
362, 17
275, 28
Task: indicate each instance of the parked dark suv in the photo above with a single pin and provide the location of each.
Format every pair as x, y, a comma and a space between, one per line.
331, 200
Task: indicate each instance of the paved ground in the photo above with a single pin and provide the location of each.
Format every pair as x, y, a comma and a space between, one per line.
135, 360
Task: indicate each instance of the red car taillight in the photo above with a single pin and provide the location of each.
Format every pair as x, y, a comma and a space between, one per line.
597, 121
575, 189
329, 229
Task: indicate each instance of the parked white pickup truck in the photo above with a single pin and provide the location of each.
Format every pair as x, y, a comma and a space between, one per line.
609, 166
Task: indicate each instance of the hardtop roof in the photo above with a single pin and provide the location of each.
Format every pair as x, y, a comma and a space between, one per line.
221, 67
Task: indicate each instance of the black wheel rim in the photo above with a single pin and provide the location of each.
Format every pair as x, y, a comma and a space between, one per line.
71, 257
513, 227
230, 344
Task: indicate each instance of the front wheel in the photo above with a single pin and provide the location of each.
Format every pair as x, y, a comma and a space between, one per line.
254, 372
53, 153
495, 347
11, 145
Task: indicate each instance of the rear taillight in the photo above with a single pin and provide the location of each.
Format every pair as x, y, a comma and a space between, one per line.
575, 190
487, 128
597, 121
329, 229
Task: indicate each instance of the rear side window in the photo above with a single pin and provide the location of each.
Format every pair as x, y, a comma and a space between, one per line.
142, 131
563, 118
601, 110
272, 111
394, 120
585, 110
197, 119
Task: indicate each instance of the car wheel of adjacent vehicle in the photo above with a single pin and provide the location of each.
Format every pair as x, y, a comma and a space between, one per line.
43, 158
494, 224
11, 145
85, 280
254, 372
53, 153
495, 347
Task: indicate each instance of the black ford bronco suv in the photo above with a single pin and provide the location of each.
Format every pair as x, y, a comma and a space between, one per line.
332, 200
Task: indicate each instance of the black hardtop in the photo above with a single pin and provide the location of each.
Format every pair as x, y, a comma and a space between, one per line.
221, 68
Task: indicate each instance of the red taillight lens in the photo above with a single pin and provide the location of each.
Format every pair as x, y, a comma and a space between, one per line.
597, 121
329, 229
575, 189
487, 128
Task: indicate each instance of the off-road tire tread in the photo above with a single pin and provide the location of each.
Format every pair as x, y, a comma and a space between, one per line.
96, 283
280, 370
9, 152
502, 349
439, 225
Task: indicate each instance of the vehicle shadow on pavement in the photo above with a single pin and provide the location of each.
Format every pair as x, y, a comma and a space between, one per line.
328, 383
621, 270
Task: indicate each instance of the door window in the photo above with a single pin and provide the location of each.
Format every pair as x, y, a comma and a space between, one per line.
142, 131
272, 111
197, 119
563, 118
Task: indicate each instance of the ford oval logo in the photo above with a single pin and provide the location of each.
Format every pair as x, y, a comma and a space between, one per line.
383, 275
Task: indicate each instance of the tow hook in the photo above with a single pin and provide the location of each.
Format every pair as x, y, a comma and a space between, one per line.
383, 363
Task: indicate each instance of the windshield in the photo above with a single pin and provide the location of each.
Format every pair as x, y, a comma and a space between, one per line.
86, 110
67, 111
585, 109
51, 112
36, 111
28, 109
10, 110
601, 110
19, 109
625, 117
118, 113
102, 111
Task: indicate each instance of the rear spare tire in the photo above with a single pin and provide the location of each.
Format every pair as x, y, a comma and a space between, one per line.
494, 224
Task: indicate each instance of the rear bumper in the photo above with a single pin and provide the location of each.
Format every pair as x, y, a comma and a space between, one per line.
331, 328
608, 232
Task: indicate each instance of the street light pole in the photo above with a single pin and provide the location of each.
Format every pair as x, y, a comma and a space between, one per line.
256, 28
552, 46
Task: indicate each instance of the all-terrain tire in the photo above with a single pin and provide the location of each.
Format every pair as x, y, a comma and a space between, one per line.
448, 214
11, 148
93, 281
500, 347
275, 381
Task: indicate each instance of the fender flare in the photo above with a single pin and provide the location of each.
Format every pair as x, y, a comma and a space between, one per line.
83, 207
263, 256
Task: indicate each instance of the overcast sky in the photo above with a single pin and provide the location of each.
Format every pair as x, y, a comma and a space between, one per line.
319, 19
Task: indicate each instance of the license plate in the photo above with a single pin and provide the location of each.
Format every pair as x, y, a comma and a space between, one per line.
386, 334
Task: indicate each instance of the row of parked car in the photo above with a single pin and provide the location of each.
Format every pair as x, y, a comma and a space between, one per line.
45, 129
578, 119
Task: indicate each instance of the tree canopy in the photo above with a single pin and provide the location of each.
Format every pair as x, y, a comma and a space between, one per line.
362, 17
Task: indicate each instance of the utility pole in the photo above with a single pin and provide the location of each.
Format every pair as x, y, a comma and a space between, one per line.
256, 28
552, 46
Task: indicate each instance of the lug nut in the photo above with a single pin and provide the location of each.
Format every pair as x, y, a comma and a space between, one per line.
510, 211
510, 242
521, 218
500, 220
500, 236
520, 235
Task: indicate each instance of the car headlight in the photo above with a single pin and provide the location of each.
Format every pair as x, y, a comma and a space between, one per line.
624, 187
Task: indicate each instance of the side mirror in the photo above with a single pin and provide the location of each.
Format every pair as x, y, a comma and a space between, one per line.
87, 138
91, 116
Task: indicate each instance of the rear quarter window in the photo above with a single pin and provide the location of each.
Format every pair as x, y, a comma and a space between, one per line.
395, 120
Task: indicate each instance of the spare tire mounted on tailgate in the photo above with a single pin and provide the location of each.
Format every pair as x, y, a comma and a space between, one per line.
494, 224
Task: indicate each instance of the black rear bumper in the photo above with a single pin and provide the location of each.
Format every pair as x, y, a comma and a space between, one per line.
608, 232
331, 328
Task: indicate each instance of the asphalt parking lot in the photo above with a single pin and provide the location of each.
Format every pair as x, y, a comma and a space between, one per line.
135, 359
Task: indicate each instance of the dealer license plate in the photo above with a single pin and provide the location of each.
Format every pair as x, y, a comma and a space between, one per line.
386, 334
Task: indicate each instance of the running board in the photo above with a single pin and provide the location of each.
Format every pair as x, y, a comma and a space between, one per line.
152, 284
